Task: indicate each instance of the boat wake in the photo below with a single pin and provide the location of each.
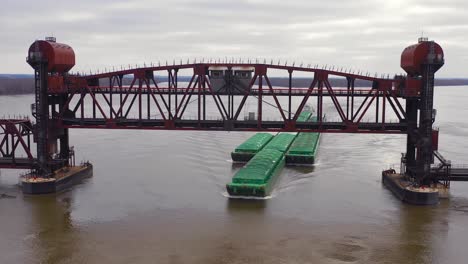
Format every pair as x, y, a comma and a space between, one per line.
227, 195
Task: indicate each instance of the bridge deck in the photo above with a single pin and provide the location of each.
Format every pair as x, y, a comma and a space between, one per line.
231, 125
456, 174
16, 163
459, 174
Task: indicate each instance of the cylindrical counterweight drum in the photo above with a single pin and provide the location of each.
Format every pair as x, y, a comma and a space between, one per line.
415, 56
60, 57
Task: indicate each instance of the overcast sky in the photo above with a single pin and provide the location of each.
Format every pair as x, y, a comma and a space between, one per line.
362, 34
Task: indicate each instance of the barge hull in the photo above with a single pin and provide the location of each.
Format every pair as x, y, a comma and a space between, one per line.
241, 156
257, 189
300, 155
245, 151
292, 159
74, 176
394, 181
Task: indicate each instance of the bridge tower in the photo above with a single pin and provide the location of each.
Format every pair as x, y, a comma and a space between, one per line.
420, 61
51, 62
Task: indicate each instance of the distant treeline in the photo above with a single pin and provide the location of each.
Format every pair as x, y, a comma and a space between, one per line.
25, 85
16, 85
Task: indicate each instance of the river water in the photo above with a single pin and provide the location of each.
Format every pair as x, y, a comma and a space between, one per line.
159, 197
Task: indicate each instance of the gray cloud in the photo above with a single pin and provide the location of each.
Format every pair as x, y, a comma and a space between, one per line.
363, 34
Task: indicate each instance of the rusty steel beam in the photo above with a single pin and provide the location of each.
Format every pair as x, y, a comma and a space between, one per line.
259, 88
15, 143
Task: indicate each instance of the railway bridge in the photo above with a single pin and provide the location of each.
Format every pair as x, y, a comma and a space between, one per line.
216, 93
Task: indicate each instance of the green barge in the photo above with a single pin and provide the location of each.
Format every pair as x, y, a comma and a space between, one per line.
304, 148
281, 142
266, 157
258, 177
304, 116
245, 151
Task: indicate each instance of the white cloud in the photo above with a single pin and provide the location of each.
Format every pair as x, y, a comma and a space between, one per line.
361, 34
77, 17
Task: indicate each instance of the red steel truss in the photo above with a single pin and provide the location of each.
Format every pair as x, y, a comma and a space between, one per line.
15, 144
105, 101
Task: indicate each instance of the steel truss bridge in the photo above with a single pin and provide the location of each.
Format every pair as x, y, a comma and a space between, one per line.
165, 107
158, 98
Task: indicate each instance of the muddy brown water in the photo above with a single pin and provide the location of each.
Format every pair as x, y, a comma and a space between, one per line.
159, 197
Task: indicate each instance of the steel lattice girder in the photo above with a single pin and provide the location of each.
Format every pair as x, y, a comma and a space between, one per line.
108, 113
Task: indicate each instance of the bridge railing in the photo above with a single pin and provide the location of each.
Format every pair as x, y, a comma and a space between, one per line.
459, 166
276, 90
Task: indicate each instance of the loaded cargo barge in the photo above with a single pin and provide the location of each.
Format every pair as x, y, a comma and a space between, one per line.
281, 142
245, 151
304, 148
267, 158
259, 175
304, 116
60, 179
405, 191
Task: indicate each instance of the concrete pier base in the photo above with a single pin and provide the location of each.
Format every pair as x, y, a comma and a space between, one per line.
61, 179
405, 191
